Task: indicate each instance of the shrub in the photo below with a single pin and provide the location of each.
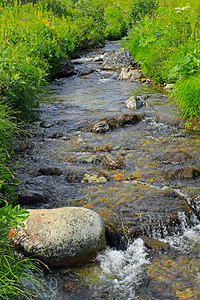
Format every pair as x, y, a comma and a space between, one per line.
116, 25
34, 43
187, 94
167, 47
15, 270
87, 24
140, 8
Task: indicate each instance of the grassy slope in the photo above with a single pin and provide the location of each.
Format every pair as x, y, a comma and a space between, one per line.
167, 45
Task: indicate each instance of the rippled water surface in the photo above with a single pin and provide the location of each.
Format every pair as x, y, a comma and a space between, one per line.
135, 196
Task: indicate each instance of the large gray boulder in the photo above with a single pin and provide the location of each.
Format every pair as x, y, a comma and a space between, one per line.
118, 60
61, 236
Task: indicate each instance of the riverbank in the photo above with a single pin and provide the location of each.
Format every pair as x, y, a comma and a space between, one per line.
35, 39
164, 41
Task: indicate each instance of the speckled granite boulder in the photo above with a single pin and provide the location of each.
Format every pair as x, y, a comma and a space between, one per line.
118, 60
61, 236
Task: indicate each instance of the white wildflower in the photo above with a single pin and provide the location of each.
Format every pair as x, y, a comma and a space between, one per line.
182, 8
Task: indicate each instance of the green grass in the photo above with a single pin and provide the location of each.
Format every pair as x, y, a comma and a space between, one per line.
187, 94
15, 270
166, 44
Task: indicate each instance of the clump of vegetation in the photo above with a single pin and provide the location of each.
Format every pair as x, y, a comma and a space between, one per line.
167, 46
15, 270
187, 94
115, 23
33, 44
140, 8
87, 24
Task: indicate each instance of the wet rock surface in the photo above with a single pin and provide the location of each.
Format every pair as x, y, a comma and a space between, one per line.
130, 74
184, 172
67, 69
173, 278
155, 244
112, 123
136, 102
174, 156
139, 210
62, 236
118, 60
112, 162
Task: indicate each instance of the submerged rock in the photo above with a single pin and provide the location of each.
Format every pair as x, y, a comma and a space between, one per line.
104, 149
174, 156
63, 236
31, 196
111, 123
118, 60
66, 69
152, 213
73, 177
56, 136
187, 172
155, 244
94, 178
101, 127
50, 171
173, 277
111, 162
45, 124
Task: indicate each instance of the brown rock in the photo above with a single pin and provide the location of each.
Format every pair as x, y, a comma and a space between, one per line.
152, 212
187, 172
111, 162
155, 244
111, 123
50, 171
174, 156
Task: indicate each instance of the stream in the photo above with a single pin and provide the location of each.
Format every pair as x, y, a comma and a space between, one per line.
150, 203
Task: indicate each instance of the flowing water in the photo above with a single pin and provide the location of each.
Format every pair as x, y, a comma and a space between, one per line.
61, 165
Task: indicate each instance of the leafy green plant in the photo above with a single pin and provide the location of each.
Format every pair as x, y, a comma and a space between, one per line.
15, 270
167, 47
140, 8
187, 66
9, 131
87, 24
116, 25
187, 94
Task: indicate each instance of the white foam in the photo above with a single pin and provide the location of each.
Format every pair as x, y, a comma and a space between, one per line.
124, 269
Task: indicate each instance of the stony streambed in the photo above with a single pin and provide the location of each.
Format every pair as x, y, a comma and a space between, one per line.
140, 173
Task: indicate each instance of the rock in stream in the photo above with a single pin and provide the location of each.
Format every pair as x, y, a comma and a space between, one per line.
62, 236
